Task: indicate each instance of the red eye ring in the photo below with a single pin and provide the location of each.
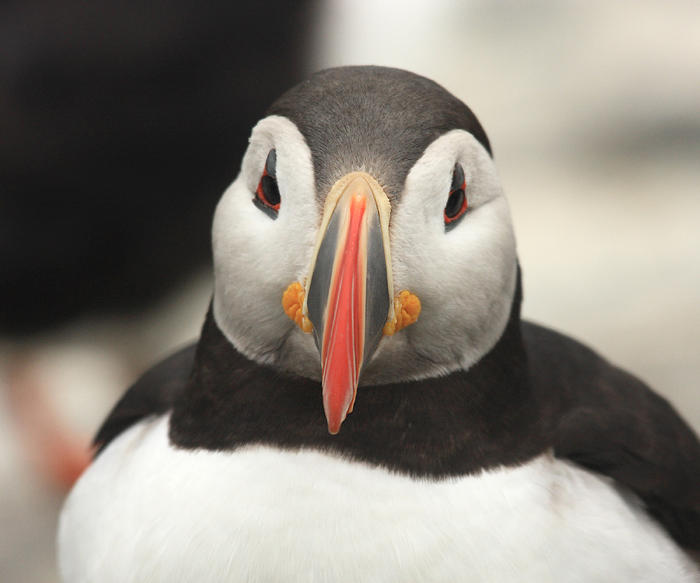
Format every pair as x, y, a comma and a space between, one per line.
267, 194
456, 204
266, 189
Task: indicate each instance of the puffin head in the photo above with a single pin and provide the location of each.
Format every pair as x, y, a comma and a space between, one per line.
364, 194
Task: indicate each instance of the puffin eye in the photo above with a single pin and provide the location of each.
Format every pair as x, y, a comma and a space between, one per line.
457, 201
267, 195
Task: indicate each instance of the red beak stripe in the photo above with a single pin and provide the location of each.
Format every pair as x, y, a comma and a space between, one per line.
344, 334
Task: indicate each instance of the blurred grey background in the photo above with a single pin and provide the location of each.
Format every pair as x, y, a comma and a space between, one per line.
593, 112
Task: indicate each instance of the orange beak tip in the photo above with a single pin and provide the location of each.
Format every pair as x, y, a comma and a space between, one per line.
334, 423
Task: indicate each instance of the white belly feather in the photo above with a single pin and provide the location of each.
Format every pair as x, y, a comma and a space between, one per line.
145, 511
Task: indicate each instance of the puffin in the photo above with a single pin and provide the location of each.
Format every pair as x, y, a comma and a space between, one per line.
365, 402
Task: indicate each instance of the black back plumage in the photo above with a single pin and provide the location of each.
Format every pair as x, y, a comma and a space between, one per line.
610, 422
152, 394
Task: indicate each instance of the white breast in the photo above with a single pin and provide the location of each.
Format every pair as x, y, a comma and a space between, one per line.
145, 511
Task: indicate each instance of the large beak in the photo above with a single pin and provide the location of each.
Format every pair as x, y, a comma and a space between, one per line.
349, 295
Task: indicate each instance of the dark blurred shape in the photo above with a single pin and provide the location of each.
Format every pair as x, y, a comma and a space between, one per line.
120, 126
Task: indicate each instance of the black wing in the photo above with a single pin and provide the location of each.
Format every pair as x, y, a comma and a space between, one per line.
152, 394
612, 423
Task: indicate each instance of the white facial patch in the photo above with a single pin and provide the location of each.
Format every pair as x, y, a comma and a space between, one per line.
256, 256
464, 277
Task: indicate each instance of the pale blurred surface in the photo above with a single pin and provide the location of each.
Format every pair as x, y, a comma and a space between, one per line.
593, 112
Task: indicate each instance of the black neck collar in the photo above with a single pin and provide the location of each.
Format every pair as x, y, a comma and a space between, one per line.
451, 425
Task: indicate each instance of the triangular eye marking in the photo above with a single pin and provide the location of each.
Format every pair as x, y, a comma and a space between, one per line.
267, 195
457, 201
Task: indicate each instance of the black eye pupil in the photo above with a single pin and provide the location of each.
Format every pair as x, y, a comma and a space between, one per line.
270, 190
267, 195
454, 203
457, 177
